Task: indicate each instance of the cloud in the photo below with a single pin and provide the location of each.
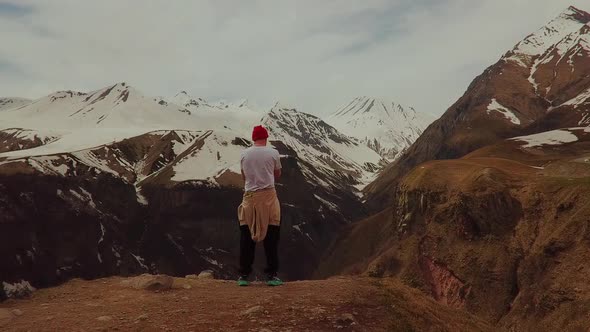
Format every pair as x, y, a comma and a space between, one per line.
10, 68
8, 9
316, 55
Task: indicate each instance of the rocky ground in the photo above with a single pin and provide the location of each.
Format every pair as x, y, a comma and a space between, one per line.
187, 304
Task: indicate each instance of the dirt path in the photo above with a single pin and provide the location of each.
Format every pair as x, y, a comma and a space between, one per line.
343, 304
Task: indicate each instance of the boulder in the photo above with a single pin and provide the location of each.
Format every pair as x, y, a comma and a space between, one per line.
18, 290
207, 274
346, 320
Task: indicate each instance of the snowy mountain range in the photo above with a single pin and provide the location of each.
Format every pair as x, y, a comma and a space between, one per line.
69, 122
113, 163
386, 127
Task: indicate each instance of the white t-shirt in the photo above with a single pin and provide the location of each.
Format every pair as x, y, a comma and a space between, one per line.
258, 164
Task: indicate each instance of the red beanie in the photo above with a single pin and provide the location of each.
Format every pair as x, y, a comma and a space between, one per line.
259, 132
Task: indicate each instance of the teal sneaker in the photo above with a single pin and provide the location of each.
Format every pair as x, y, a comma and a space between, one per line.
243, 281
274, 281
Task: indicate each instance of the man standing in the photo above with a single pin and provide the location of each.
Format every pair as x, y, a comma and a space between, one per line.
260, 211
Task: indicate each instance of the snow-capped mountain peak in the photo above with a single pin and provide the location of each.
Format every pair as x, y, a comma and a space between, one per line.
385, 126
191, 103
559, 45
280, 105
317, 141
185, 100
553, 36
365, 104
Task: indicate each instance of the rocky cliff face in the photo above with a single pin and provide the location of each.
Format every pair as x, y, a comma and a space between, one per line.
501, 232
486, 211
118, 210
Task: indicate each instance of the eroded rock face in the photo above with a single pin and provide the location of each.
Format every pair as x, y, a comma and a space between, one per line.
52, 229
445, 286
499, 236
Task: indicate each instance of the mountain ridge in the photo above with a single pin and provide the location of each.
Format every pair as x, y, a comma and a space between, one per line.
385, 127
532, 93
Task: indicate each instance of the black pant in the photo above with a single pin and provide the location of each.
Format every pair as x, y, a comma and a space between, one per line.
248, 250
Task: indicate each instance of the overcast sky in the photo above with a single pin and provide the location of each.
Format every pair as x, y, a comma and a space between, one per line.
315, 55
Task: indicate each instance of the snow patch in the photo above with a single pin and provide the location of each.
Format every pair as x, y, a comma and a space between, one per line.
554, 137
582, 98
171, 239
329, 204
216, 155
102, 231
212, 261
140, 261
508, 114
141, 199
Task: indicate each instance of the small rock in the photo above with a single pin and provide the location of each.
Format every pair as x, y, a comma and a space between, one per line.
187, 286
150, 282
192, 276
207, 274
318, 311
104, 318
185, 298
143, 317
346, 320
252, 311
17, 312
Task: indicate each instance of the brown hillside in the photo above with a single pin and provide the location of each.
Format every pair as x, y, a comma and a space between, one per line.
502, 233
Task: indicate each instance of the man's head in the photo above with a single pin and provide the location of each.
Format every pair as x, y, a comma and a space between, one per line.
259, 135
